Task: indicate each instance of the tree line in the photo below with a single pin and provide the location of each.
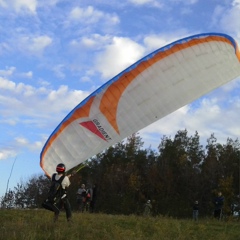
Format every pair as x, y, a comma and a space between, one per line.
175, 175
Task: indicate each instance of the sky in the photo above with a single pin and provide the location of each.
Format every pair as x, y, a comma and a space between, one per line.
54, 53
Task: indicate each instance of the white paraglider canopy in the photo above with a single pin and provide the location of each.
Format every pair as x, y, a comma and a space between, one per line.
147, 91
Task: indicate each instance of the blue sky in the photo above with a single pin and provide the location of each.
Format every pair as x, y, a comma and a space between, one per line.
54, 53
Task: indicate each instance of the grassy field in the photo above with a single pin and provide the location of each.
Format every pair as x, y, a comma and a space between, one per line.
38, 224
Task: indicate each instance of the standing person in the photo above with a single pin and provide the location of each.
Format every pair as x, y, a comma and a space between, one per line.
147, 208
218, 202
58, 197
81, 197
88, 197
94, 198
195, 211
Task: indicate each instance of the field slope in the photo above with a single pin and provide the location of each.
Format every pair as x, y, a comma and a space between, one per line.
38, 224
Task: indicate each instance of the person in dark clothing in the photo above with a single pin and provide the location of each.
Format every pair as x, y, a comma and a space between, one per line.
62, 200
195, 211
218, 202
93, 198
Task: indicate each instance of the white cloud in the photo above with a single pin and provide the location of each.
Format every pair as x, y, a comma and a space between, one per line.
3, 3
94, 41
155, 41
17, 146
44, 3
121, 53
21, 141
20, 5
7, 72
10, 72
228, 19
186, 2
39, 106
6, 84
7, 153
91, 15
154, 3
59, 70
30, 5
236, 3
86, 13
4, 47
34, 45
63, 99
28, 74
140, 2
217, 13
37, 145
54, 95
9, 121
88, 42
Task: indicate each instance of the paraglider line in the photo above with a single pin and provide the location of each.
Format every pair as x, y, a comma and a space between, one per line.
10, 174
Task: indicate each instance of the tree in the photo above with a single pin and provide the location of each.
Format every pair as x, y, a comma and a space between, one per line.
127, 175
7, 200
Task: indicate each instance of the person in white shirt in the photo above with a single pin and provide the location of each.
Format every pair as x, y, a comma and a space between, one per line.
81, 198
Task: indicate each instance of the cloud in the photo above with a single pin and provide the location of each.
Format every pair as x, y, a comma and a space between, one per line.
155, 41
18, 144
7, 72
185, 2
25, 100
29, 6
154, 3
59, 70
121, 53
24, 107
90, 15
228, 18
4, 47
236, 3
21, 141
28, 74
93, 41
7, 153
6, 84
3, 3
34, 45
11, 72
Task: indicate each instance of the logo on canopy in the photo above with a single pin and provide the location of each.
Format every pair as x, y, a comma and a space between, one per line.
96, 128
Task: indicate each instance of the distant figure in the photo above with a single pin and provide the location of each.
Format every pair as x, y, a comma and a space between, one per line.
81, 198
218, 202
93, 199
147, 208
195, 211
88, 198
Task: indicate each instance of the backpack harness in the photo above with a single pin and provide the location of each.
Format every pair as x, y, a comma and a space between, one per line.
56, 189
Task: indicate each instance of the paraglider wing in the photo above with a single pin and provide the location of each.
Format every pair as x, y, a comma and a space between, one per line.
150, 89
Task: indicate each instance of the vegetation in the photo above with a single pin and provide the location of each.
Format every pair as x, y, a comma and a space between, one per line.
173, 177
38, 225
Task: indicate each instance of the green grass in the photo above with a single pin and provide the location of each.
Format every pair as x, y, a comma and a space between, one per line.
38, 224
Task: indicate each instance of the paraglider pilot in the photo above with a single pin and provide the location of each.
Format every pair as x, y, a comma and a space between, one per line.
58, 198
